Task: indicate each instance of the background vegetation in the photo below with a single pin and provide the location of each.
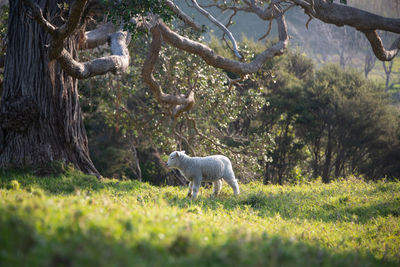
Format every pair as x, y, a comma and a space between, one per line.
290, 122
297, 119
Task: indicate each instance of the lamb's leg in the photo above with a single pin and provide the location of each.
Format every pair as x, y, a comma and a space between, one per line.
217, 185
233, 183
196, 187
190, 189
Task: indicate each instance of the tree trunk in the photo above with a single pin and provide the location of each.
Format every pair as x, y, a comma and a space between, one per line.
328, 158
315, 156
388, 72
342, 59
137, 165
267, 176
369, 62
40, 115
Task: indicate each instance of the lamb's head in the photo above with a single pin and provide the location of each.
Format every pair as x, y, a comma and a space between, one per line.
174, 158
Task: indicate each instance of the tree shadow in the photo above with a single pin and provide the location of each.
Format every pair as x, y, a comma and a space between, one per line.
298, 205
288, 204
22, 245
68, 183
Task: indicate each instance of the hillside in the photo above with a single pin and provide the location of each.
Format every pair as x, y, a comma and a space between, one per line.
78, 220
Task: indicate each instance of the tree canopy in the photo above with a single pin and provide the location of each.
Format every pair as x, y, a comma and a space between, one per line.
41, 103
152, 16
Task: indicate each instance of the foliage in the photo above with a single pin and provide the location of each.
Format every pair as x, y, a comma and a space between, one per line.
332, 123
137, 9
3, 28
76, 219
277, 124
3, 39
354, 116
134, 117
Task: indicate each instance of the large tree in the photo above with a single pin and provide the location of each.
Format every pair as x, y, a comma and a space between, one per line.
40, 115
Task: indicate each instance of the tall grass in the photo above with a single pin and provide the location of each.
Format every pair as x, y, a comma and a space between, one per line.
78, 220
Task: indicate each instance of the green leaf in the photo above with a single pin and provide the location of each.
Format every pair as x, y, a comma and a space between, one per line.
343, 2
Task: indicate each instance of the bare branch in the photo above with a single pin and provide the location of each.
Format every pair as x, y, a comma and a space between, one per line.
180, 136
266, 14
341, 15
219, 25
379, 50
216, 144
180, 103
75, 15
116, 63
268, 31
366, 22
38, 16
209, 56
98, 36
63, 32
223, 7
182, 15
232, 82
160, 32
59, 34
369, 62
309, 20
287, 8
230, 22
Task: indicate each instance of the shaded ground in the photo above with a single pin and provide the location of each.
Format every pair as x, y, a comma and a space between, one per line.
78, 220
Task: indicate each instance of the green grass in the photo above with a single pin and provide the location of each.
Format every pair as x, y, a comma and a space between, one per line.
76, 220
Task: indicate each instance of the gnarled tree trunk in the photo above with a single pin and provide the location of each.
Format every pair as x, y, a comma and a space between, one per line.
40, 115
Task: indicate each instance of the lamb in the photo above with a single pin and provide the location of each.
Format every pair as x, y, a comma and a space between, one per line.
204, 169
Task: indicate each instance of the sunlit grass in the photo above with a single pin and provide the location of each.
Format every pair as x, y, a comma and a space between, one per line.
78, 220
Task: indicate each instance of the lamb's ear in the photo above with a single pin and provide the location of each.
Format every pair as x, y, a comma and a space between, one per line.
180, 153
183, 152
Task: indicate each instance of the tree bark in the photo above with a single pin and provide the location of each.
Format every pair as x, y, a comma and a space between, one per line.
328, 157
388, 73
40, 115
369, 62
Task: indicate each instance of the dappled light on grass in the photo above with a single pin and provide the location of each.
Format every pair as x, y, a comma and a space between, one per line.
78, 220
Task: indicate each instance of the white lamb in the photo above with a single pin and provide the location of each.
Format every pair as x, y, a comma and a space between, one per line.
204, 169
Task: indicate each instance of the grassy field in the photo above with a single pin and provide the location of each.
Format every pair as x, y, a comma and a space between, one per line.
77, 220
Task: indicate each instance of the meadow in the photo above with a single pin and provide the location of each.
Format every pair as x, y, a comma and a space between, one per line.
78, 220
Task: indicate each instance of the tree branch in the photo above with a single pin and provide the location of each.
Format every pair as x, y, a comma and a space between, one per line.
160, 32
341, 15
116, 63
219, 25
63, 32
97, 37
266, 14
215, 143
211, 58
364, 21
180, 103
379, 50
75, 15
224, 7
182, 15
38, 16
